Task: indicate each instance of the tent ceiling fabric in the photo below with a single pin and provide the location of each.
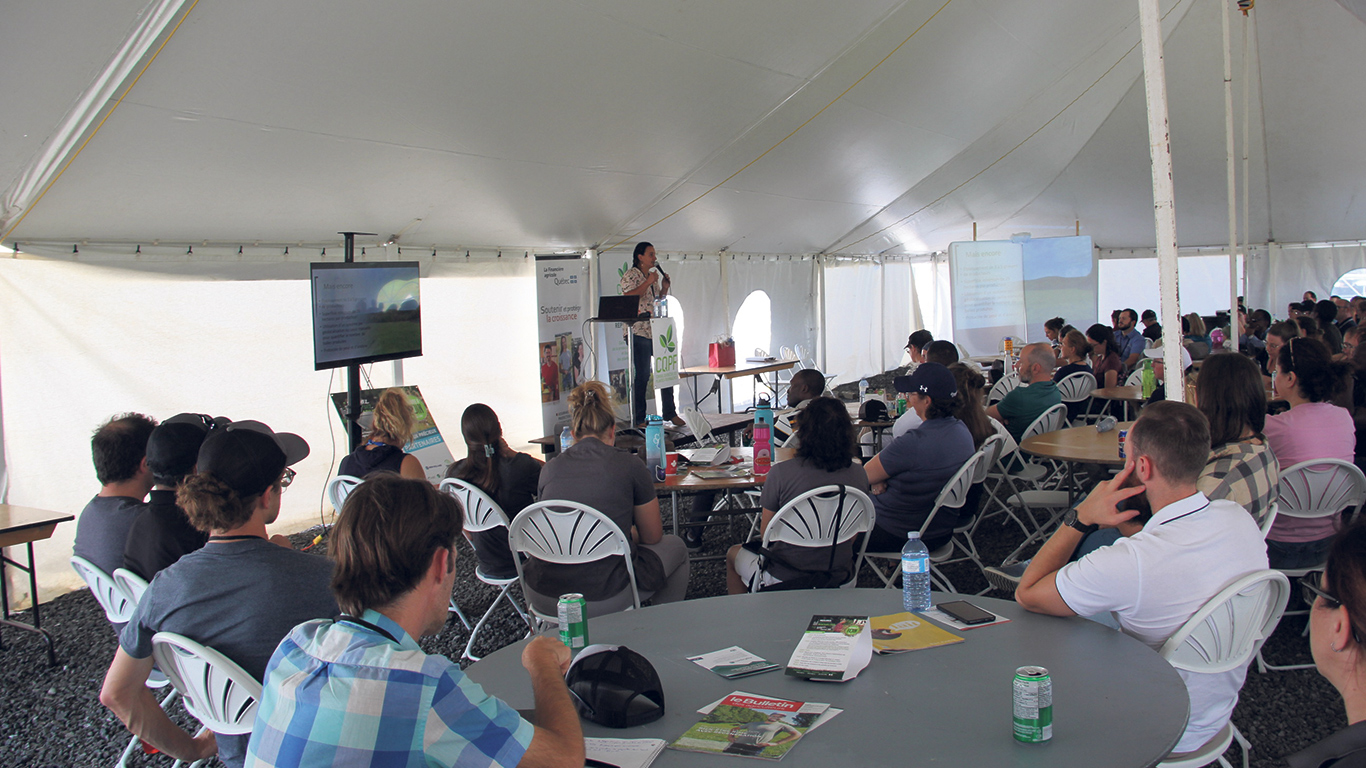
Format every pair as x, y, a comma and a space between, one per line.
525, 123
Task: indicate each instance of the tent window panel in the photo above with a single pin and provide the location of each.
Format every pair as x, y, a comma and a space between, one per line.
1132, 283
1351, 284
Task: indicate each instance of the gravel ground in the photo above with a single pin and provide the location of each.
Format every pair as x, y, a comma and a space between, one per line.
51, 716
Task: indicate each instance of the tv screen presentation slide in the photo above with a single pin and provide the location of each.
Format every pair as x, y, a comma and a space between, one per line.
987, 286
365, 312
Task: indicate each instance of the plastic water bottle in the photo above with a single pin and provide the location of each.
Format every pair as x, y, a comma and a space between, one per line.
654, 447
763, 438
566, 439
862, 390
1148, 377
915, 574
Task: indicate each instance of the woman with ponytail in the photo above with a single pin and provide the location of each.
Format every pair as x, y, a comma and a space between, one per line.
507, 476
391, 429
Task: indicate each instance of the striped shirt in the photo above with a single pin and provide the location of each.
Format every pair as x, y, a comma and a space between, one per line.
344, 693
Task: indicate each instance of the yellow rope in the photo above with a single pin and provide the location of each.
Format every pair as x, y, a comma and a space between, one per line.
77, 153
788, 136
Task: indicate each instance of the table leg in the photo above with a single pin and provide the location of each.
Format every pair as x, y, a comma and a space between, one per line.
33, 593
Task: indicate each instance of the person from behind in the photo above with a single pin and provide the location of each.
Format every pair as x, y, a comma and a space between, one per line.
617, 484
915, 345
1326, 312
508, 477
1179, 549
1241, 468
162, 534
358, 689
1105, 360
907, 476
1072, 359
1337, 626
119, 450
1151, 328
970, 404
1036, 393
825, 456
1313, 428
239, 595
390, 430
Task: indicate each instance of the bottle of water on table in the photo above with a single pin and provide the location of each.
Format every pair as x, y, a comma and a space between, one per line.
862, 390
915, 574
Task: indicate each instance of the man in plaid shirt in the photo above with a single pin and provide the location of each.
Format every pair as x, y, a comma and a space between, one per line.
358, 690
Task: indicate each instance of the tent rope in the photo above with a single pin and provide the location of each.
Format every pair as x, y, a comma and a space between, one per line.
719, 184
100, 125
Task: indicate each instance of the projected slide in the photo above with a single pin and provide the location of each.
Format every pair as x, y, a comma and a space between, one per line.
988, 294
1059, 281
365, 312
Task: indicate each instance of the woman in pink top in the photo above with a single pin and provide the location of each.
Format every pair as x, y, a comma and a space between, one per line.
1307, 377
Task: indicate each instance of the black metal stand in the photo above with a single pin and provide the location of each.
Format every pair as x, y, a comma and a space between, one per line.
353, 430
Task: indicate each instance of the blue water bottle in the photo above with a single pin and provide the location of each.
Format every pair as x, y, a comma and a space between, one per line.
654, 447
566, 439
915, 574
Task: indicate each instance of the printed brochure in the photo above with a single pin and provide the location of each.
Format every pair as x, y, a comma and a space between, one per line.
832, 648
751, 726
733, 662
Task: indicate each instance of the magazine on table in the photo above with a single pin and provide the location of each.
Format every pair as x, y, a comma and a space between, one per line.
733, 662
902, 632
750, 725
833, 648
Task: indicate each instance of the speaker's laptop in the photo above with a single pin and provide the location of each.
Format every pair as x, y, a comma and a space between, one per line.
618, 308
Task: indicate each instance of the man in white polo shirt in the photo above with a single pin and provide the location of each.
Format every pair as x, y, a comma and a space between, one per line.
1168, 564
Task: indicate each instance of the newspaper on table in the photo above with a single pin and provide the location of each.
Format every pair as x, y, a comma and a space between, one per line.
834, 648
750, 725
902, 632
733, 662
624, 753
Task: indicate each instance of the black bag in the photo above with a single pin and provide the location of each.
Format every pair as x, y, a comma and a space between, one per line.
809, 579
873, 410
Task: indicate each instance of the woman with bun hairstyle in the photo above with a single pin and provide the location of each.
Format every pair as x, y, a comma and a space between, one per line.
616, 483
382, 450
507, 476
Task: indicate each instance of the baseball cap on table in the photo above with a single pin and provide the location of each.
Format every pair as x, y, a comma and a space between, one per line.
929, 379
1156, 353
614, 686
249, 456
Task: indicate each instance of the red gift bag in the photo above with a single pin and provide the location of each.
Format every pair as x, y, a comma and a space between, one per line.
721, 355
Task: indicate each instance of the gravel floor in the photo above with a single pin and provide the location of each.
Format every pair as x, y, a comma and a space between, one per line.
51, 716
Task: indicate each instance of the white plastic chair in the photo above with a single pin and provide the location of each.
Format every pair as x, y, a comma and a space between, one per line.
1076, 388
216, 691
1224, 635
568, 533
1135, 379
1269, 519
809, 520
697, 424
338, 488
482, 513
1002, 388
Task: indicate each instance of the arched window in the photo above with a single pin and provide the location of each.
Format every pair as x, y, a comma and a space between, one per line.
676, 313
1351, 284
753, 328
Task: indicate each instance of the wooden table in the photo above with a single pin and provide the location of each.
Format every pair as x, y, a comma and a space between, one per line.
1079, 444
1122, 394
25, 525
720, 423
686, 482
733, 372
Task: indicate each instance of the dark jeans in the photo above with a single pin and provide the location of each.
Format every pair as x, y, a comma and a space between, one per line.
1293, 555
642, 352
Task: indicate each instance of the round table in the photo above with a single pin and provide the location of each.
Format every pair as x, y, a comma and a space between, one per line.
1115, 702
1079, 444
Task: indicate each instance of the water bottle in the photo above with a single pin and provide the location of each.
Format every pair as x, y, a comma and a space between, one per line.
763, 438
654, 447
1148, 378
915, 574
663, 306
862, 390
566, 439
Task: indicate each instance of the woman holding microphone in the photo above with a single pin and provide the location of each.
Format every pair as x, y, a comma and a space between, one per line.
646, 280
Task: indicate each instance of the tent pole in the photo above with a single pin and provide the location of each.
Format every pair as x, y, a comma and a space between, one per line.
1232, 341
352, 371
1247, 111
1159, 146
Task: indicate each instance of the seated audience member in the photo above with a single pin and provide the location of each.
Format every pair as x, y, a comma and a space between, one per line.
970, 404
1175, 555
825, 456
1337, 624
806, 385
943, 352
1309, 327
1151, 328
916, 344
1350, 340
1241, 468
1105, 360
1346, 316
1194, 336
1313, 428
1036, 393
908, 475
393, 582
1052, 330
239, 595
1158, 356
1276, 337
391, 429
1326, 312
162, 533
1128, 339
1252, 340
508, 477
1310, 297
1358, 363
119, 449
617, 484
1073, 360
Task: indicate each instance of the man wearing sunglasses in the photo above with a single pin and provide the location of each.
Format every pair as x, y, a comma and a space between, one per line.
1178, 550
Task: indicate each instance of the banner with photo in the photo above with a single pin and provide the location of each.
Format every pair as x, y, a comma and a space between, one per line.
562, 308
426, 444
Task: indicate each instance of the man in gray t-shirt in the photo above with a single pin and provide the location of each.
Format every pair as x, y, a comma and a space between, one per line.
119, 451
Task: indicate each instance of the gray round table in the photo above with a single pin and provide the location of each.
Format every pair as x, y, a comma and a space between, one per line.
1115, 702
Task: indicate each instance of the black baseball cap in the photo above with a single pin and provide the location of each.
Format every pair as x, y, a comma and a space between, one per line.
929, 379
249, 456
173, 448
614, 686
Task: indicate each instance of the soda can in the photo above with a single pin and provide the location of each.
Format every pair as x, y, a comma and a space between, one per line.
573, 613
1033, 705
1123, 438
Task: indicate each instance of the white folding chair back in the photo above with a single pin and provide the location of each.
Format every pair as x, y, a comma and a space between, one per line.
1002, 388
1051, 420
697, 424
338, 488
809, 521
1076, 387
1147, 343
991, 451
1135, 379
131, 583
118, 605
1269, 519
568, 533
218, 692
482, 513
1320, 488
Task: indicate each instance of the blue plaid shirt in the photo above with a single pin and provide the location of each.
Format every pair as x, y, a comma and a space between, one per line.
338, 693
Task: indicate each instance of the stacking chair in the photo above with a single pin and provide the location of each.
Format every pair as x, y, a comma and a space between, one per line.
219, 694
1224, 635
810, 521
338, 488
568, 533
953, 495
482, 513
1077, 388
1310, 489
1002, 388
994, 484
1268, 520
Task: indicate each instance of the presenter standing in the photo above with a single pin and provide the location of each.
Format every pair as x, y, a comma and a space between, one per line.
646, 280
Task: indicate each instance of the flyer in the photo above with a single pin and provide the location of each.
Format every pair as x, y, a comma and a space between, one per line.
834, 648
751, 726
733, 662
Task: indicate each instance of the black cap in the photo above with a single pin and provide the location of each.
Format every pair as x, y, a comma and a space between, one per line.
248, 456
173, 448
614, 686
929, 379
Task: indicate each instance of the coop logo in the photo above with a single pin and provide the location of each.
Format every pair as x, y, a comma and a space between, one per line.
666, 340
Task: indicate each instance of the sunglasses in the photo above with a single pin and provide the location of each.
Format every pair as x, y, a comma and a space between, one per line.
1310, 590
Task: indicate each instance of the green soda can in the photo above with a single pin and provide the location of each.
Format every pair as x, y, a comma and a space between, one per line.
1033, 705
573, 613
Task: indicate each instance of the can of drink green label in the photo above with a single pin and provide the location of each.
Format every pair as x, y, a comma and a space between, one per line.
1033, 705
573, 621
1123, 438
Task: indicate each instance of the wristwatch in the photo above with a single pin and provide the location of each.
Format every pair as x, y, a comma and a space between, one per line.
1070, 520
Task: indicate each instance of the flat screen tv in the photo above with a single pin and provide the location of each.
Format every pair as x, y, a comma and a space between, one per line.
364, 312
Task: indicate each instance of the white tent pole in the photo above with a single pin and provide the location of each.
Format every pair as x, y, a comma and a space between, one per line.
882, 314
723, 257
820, 313
1232, 341
592, 255
1247, 113
1160, 148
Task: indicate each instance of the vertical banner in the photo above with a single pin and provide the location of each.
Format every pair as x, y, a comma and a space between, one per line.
426, 444
561, 301
666, 352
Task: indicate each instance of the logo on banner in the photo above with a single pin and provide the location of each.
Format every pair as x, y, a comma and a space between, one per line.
667, 340
666, 352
